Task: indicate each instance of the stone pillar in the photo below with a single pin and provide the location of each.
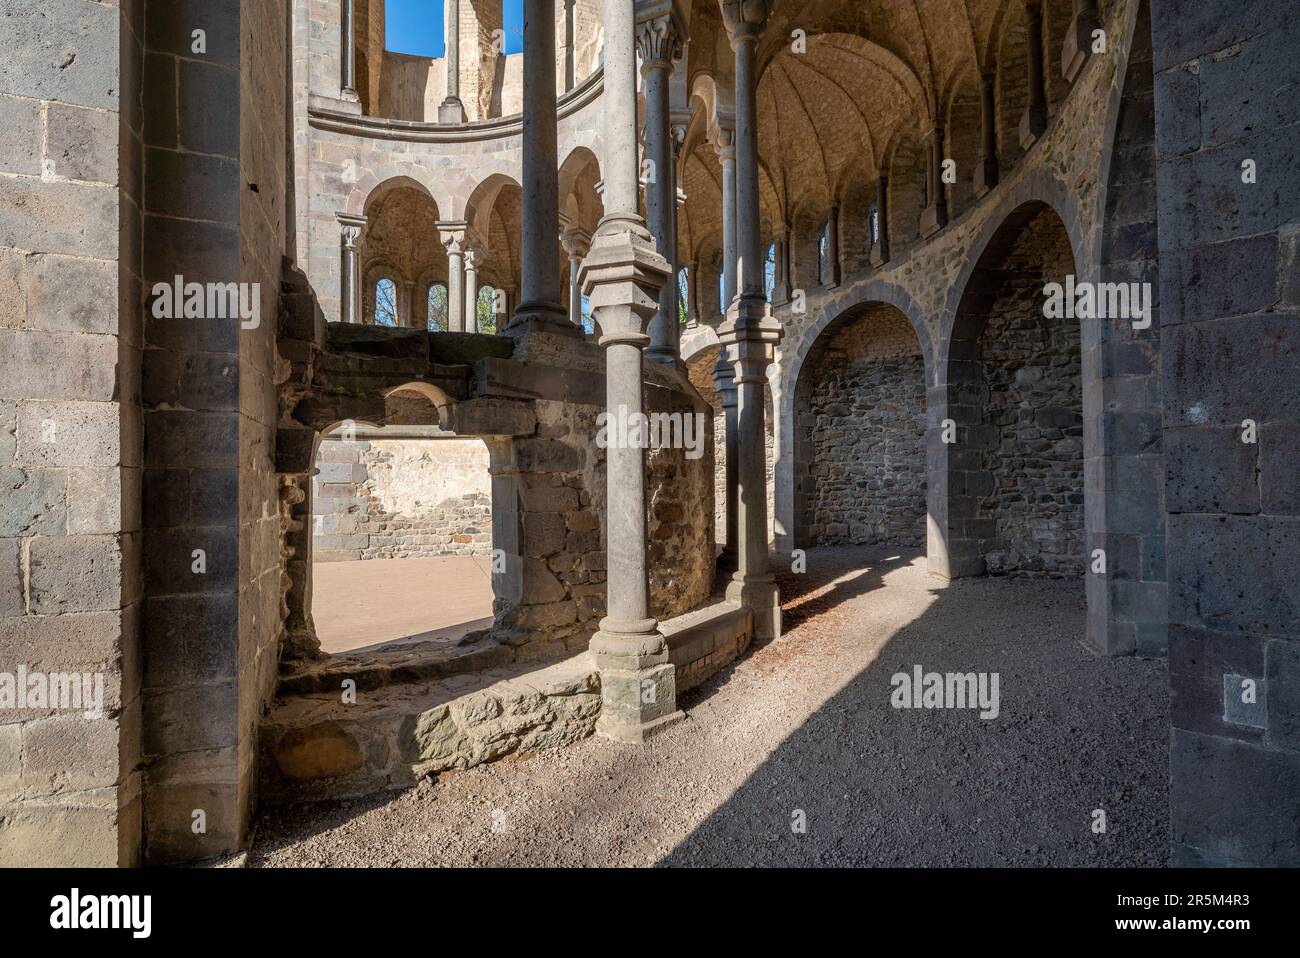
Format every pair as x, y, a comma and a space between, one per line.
692, 294
751, 334
833, 246
576, 242
659, 44
724, 381
1034, 122
986, 173
453, 238
570, 47
935, 215
880, 248
1078, 38
781, 290
507, 522
350, 228
451, 109
724, 142
541, 310
409, 307
348, 55
622, 275
471, 287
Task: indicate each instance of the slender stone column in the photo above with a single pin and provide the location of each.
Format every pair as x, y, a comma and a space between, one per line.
880, 248
471, 287
453, 238
781, 288
692, 294
1078, 38
986, 174
541, 309
1034, 123
751, 334
833, 246
935, 215
570, 46
724, 142
724, 381
659, 44
576, 242
451, 109
622, 274
350, 228
347, 55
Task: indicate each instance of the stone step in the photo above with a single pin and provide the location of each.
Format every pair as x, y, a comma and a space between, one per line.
317, 747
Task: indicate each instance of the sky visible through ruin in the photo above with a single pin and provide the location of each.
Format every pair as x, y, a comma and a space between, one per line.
415, 27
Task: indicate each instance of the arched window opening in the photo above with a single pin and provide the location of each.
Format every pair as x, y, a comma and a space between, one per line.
683, 294
385, 302
875, 219
437, 308
769, 271
486, 309
588, 321
824, 253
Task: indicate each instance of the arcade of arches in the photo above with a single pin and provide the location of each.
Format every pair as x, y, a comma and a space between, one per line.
813, 240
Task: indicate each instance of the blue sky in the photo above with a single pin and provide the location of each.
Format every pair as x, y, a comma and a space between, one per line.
415, 26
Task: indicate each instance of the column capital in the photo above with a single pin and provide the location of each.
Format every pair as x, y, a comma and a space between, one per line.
723, 140
454, 235
350, 227
576, 241
659, 36
745, 19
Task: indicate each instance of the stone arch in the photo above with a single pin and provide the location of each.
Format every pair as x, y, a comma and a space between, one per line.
1011, 84
400, 240
859, 423
962, 140
1007, 438
791, 357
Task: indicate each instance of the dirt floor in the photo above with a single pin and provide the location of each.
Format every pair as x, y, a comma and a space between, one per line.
795, 755
361, 606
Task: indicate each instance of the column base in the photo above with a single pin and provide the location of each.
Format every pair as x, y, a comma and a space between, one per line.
638, 685
541, 318
1032, 125
761, 596
986, 176
451, 111
933, 218
1078, 45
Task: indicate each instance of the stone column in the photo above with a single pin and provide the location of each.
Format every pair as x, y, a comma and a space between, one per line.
1034, 122
350, 228
724, 142
347, 55
833, 246
451, 109
410, 303
751, 334
1078, 38
576, 242
622, 274
781, 290
659, 44
935, 215
880, 248
986, 174
570, 47
724, 381
541, 309
471, 287
453, 238
692, 294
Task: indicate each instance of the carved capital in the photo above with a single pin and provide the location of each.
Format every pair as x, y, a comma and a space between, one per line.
745, 19
454, 235
350, 228
658, 43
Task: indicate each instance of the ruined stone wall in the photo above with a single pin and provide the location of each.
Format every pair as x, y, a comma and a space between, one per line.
1035, 404
400, 498
865, 423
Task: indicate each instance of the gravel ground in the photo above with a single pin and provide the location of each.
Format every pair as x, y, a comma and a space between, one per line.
802, 730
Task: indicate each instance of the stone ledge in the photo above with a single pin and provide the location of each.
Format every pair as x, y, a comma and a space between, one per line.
315, 747
706, 639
